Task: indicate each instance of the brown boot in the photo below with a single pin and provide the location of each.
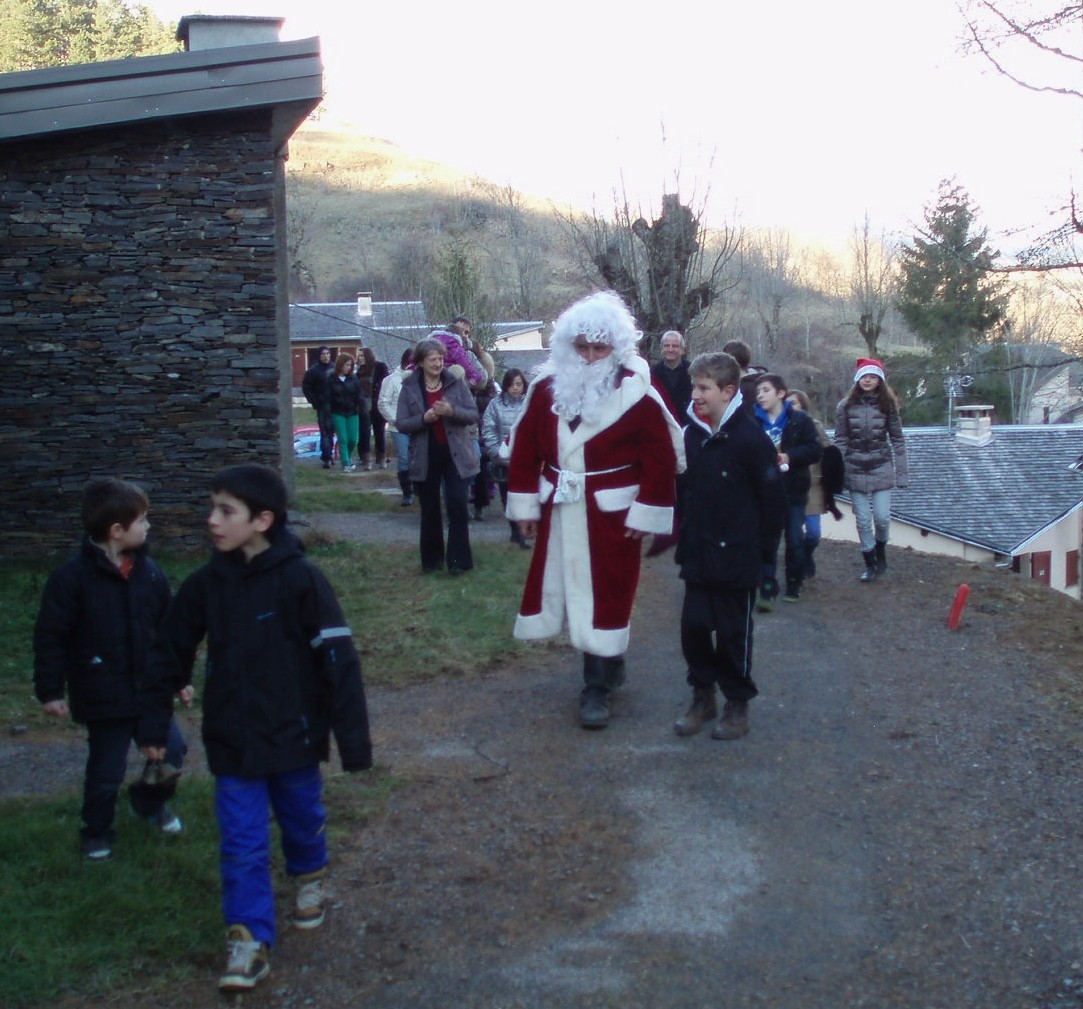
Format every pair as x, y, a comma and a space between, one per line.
702, 709
734, 721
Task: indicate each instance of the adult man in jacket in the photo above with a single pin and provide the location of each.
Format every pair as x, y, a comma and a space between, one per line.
314, 387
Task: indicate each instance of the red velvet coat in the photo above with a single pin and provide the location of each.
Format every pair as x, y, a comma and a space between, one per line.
584, 487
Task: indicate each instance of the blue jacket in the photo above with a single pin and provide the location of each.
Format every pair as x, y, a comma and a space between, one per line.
94, 632
732, 503
801, 443
282, 671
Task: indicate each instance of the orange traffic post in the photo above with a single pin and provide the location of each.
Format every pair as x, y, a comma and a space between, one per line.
957, 605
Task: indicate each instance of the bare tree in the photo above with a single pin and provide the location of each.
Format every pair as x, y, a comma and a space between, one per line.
872, 282
667, 270
772, 275
523, 247
1041, 50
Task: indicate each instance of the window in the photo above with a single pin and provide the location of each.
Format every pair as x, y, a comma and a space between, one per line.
1071, 568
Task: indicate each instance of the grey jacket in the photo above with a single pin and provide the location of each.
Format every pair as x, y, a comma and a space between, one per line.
496, 424
409, 420
872, 445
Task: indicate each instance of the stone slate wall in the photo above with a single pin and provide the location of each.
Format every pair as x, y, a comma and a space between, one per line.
137, 320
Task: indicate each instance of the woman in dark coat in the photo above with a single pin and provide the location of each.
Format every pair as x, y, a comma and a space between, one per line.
869, 434
437, 410
371, 374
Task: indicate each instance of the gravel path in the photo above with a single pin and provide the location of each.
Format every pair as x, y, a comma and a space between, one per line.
900, 828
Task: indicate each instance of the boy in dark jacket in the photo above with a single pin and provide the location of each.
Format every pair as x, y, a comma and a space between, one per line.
793, 433
281, 676
732, 511
99, 613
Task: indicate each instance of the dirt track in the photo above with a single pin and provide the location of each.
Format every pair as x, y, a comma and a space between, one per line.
901, 827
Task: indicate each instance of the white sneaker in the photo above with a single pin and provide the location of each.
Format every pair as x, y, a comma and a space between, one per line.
166, 821
308, 910
248, 963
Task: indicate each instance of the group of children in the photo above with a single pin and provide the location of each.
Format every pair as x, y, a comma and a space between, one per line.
282, 676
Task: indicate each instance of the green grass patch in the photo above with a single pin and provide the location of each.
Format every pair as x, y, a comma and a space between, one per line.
329, 490
152, 912
409, 628
148, 916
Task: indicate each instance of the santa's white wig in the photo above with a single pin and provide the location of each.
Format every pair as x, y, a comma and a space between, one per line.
602, 318
579, 388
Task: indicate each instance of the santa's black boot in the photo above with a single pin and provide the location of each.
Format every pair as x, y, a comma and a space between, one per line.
593, 701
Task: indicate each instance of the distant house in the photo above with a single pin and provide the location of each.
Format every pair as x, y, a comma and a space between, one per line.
388, 328
1005, 494
1057, 398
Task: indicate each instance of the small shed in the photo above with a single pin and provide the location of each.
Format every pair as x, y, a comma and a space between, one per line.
144, 326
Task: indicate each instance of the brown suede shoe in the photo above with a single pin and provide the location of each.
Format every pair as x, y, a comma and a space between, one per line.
702, 709
734, 721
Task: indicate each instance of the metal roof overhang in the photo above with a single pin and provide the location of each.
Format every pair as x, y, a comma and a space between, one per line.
286, 77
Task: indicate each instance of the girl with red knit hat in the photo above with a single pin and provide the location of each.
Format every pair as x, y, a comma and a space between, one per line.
869, 434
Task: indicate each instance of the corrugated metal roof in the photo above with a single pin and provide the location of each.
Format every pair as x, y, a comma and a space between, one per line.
998, 495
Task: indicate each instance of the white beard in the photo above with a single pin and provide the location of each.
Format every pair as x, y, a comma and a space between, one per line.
581, 389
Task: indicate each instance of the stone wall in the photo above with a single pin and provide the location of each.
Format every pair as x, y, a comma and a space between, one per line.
137, 320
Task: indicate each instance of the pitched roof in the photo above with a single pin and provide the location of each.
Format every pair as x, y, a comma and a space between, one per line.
999, 495
393, 327
283, 76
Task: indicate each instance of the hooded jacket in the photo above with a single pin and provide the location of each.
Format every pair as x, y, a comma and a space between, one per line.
315, 385
94, 631
281, 671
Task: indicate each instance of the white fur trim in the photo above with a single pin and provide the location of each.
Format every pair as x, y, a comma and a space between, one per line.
650, 518
869, 369
615, 499
523, 507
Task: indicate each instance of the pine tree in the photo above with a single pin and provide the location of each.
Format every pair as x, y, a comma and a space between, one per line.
948, 294
50, 33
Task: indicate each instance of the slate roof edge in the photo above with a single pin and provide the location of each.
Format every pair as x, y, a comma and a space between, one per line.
114, 92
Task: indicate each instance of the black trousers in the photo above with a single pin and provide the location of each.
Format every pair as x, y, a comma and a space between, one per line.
108, 742
442, 471
716, 639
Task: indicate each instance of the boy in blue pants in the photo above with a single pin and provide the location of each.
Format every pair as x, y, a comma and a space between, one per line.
281, 676
99, 614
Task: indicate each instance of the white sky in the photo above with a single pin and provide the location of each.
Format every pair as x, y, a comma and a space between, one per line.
795, 114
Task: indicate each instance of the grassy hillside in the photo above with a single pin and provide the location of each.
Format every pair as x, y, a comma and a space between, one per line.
366, 215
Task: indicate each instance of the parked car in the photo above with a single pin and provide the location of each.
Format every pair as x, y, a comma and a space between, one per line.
306, 442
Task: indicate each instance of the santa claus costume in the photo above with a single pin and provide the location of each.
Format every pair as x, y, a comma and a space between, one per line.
594, 457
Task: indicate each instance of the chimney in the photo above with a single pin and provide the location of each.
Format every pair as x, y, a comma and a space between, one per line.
974, 423
364, 304
204, 31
